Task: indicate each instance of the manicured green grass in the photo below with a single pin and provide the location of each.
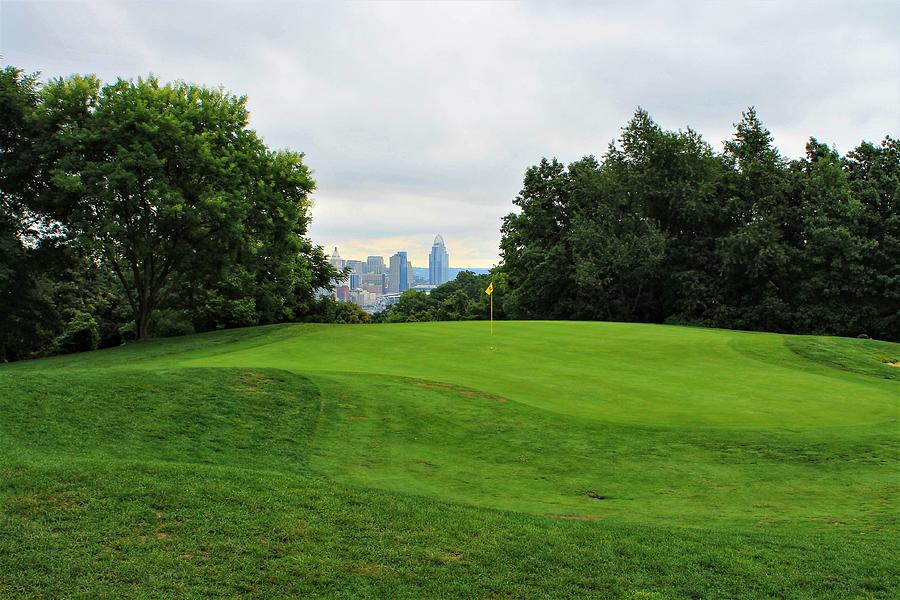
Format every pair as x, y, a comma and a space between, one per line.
433, 460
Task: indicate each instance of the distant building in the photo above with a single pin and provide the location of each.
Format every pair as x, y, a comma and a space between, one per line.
375, 265
400, 273
357, 268
374, 282
438, 263
342, 293
364, 299
386, 300
410, 275
336, 260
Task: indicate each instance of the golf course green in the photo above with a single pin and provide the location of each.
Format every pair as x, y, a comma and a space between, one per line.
550, 459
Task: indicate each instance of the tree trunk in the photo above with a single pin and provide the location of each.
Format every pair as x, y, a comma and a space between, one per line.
142, 322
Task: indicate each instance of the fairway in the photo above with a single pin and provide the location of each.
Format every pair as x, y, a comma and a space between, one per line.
549, 459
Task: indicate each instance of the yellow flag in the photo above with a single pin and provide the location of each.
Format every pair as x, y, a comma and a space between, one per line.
490, 289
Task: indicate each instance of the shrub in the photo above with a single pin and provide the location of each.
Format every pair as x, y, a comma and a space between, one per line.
81, 334
171, 323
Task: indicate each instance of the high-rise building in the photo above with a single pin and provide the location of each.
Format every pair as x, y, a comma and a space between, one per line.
357, 268
375, 264
336, 260
438, 263
374, 282
400, 272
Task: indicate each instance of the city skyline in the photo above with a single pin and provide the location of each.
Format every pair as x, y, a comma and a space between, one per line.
417, 255
376, 283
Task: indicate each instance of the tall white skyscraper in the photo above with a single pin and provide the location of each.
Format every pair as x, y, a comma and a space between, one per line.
438, 263
335, 259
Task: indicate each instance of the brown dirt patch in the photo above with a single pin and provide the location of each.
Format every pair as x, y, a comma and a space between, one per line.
575, 517
162, 534
894, 364
357, 418
463, 391
250, 382
370, 569
42, 501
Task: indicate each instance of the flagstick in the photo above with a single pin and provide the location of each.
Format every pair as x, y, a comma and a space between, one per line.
492, 313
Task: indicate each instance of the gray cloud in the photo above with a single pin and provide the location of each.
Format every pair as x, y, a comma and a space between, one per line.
421, 118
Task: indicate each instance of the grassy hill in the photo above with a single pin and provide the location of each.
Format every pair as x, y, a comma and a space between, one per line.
433, 460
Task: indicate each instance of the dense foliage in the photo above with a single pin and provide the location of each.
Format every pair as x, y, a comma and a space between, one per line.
139, 208
664, 229
462, 299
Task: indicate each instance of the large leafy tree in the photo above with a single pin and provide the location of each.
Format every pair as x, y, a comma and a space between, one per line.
536, 255
665, 229
662, 188
833, 295
172, 190
28, 319
873, 175
756, 253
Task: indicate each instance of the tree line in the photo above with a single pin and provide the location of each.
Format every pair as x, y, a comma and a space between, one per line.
664, 229
462, 299
141, 208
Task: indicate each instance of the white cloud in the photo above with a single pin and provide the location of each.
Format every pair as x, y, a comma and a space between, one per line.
420, 118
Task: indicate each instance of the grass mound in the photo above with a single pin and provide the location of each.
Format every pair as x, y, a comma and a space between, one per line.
414, 461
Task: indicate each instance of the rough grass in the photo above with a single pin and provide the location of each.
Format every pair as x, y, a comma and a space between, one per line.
554, 460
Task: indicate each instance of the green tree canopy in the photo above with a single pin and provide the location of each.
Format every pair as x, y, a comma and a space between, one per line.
664, 229
172, 190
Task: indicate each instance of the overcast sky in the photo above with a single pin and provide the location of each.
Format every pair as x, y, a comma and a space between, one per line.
421, 118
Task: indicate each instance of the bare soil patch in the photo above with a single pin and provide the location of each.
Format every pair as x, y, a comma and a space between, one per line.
463, 391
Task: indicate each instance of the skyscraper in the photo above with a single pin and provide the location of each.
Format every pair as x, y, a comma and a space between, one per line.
336, 260
357, 268
399, 273
375, 264
438, 263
